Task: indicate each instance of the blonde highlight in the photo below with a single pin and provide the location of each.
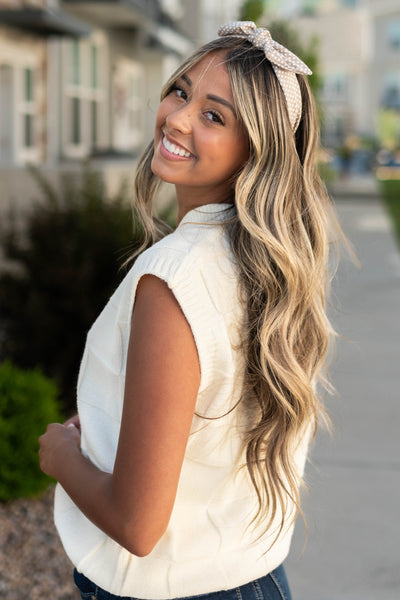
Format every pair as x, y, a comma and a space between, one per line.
280, 241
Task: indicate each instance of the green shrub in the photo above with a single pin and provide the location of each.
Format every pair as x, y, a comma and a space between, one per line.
28, 402
326, 172
391, 195
68, 266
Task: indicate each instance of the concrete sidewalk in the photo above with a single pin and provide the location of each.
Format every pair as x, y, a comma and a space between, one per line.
353, 549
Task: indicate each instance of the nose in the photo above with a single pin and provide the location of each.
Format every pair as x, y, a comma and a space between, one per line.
180, 119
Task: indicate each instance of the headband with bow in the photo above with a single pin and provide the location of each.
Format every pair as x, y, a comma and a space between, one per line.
285, 63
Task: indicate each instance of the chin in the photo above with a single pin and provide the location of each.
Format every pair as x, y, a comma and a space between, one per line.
153, 167
162, 172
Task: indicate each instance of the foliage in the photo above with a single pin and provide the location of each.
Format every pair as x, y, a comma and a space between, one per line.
68, 267
252, 10
288, 36
28, 402
326, 172
282, 32
388, 127
391, 195
309, 7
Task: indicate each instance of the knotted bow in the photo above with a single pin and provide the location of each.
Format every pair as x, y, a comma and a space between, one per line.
285, 63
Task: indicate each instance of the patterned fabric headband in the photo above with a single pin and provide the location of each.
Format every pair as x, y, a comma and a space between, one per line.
285, 63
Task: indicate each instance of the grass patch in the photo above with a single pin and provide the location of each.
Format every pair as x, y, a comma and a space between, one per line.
391, 196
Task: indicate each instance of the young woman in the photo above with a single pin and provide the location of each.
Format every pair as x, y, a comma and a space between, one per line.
198, 388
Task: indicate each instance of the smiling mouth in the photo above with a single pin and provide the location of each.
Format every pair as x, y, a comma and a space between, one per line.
177, 150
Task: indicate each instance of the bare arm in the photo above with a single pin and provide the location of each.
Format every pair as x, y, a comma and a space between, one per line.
134, 503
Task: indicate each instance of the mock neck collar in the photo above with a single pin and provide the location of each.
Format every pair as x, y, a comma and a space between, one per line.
209, 213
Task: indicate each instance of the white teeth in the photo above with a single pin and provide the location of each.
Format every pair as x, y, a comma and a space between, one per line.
175, 149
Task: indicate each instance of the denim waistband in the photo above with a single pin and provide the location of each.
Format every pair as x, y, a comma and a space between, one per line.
273, 586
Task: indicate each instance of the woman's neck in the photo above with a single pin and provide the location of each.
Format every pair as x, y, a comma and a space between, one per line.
188, 200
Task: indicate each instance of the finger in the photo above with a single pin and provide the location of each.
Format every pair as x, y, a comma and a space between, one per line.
76, 434
74, 420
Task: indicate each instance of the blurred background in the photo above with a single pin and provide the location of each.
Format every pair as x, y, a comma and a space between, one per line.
81, 80
79, 87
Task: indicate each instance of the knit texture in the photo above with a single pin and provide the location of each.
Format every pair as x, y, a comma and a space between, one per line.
208, 545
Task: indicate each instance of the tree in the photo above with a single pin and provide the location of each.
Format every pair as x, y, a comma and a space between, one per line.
287, 35
282, 32
68, 266
252, 10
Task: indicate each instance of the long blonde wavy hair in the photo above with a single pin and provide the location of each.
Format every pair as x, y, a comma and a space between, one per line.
279, 238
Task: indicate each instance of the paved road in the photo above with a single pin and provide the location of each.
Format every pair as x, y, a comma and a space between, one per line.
353, 549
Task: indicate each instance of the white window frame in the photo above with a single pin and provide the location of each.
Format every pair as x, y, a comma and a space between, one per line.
23, 107
136, 104
27, 108
391, 81
173, 8
19, 55
7, 111
130, 75
84, 91
335, 86
393, 35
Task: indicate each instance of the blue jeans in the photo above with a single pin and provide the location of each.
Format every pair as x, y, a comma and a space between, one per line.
273, 586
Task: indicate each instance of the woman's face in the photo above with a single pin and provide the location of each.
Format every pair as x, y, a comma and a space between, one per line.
199, 143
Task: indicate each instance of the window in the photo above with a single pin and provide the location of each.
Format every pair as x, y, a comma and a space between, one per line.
135, 104
333, 132
75, 62
74, 100
28, 85
350, 3
95, 97
75, 132
339, 128
84, 96
128, 102
94, 120
22, 91
335, 86
94, 66
28, 108
391, 91
394, 35
7, 107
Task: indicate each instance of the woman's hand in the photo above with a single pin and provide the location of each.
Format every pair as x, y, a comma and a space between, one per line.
133, 504
57, 444
73, 421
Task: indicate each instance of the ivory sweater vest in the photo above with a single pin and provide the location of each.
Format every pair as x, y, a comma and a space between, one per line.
208, 545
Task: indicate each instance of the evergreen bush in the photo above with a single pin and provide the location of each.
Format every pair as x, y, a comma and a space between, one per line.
28, 402
391, 195
68, 258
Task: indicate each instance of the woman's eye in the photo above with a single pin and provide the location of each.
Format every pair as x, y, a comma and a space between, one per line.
178, 91
214, 116
181, 93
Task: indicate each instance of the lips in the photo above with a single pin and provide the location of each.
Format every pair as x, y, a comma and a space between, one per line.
175, 148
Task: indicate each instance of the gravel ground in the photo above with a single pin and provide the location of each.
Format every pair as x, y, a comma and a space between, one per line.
33, 565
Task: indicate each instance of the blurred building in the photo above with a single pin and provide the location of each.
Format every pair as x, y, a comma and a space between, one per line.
201, 18
345, 46
81, 79
359, 44
385, 63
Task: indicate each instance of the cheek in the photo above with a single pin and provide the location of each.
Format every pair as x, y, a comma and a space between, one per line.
240, 150
232, 153
161, 114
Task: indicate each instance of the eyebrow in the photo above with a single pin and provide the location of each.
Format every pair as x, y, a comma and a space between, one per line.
222, 101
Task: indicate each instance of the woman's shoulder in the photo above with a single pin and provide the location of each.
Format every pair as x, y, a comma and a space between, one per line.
191, 249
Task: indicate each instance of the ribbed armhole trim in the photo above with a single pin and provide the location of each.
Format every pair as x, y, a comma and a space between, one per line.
194, 300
